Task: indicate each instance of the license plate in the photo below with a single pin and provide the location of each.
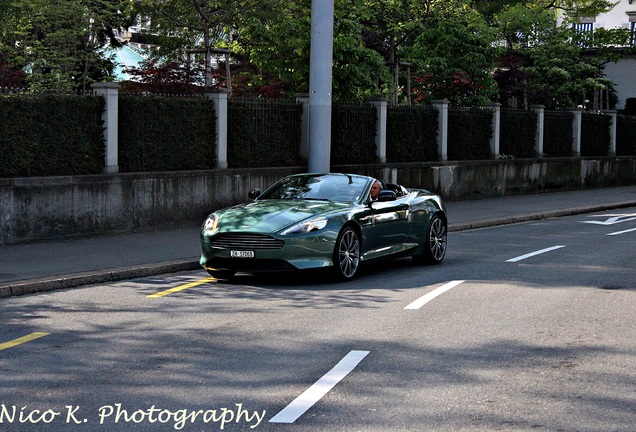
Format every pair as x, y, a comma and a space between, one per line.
242, 254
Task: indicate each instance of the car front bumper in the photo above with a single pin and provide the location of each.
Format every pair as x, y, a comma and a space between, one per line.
273, 254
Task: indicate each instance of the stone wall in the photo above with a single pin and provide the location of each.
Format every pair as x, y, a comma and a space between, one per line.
54, 207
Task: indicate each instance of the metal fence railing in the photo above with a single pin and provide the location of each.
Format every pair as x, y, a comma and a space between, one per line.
353, 133
557, 133
626, 136
167, 133
469, 133
595, 134
518, 134
412, 134
263, 133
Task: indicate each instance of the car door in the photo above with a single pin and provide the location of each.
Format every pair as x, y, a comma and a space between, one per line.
385, 228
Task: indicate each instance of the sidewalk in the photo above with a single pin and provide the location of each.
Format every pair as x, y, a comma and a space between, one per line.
49, 265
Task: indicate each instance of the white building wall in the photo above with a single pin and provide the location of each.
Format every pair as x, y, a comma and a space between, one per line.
617, 17
623, 73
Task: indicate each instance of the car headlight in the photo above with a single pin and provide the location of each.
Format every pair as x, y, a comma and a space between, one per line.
210, 226
307, 226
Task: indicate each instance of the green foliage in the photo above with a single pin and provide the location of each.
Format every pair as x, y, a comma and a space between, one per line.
390, 27
161, 133
559, 78
520, 26
557, 133
412, 134
51, 135
263, 134
451, 45
545, 60
357, 70
280, 46
59, 43
489, 8
518, 133
469, 133
626, 135
11, 74
574, 8
455, 57
595, 134
352, 134
199, 26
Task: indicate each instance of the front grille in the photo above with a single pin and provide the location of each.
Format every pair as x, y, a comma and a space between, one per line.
245, 241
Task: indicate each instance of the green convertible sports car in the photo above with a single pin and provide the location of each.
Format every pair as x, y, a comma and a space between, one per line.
324, 221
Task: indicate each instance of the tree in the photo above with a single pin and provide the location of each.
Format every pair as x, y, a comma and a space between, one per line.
370, 38
11, 74
280, 45
390, 28
489, 8
158, 77
455, 58
449, 45
549, 62
574, 8
359, 72
59, 42
199, 25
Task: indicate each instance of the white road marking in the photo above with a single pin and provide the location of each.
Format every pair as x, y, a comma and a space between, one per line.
612, 220
430, 296
539, 252
313, 394
622, 232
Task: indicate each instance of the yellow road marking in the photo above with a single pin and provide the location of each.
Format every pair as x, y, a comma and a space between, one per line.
22, 340
181, 288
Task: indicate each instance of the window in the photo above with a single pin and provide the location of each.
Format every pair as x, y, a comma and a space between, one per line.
585, 31
587, 27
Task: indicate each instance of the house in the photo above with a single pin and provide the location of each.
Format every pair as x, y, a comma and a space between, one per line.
623, 72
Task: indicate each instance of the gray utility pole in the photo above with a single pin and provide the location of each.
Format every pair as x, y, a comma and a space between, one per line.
320, 59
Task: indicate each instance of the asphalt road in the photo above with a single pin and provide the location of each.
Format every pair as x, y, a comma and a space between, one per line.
526, 327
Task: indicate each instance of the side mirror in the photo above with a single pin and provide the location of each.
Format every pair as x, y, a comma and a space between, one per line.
254, 193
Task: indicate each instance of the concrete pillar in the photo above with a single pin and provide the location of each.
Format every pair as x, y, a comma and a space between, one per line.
219, 97
303, 99
613, 114
320, 82
381, 106
576, 131
442, 132
538, 144
495, 107
110, 116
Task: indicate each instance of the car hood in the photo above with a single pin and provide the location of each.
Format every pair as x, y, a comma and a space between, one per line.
269, 216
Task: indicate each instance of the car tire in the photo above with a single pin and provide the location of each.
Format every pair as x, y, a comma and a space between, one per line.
434, 242
346, 254
222, 274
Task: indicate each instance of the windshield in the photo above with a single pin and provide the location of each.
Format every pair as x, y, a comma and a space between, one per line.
339, 188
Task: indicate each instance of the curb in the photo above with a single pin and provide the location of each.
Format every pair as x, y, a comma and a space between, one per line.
486, 223
33, 286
